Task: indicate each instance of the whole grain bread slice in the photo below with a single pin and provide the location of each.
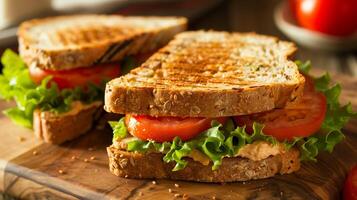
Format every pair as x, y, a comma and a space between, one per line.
210, 74
67, 42
135, 165
58, 128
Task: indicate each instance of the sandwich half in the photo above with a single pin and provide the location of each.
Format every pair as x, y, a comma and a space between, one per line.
59, 77
220, 107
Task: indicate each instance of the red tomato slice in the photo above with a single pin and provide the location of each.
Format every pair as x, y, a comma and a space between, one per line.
163, 129
77, 77
350, 189
299, 120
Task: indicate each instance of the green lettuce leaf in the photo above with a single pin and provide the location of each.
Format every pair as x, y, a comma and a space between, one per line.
16, 84
119, 129
336, 117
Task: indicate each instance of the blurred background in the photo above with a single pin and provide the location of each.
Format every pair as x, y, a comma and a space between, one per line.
332, 51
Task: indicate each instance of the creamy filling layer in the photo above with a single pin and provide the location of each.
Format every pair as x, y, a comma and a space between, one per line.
258, 150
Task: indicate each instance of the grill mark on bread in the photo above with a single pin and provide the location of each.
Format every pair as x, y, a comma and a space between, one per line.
187, 64
112, 51
190, 83
53, 42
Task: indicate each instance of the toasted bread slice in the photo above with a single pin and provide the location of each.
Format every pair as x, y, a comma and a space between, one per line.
58, 128
210, 74
136, 165
67, 42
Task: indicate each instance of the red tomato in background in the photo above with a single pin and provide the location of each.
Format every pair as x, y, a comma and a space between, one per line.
350, 189
77, 77
333, 17
161, 129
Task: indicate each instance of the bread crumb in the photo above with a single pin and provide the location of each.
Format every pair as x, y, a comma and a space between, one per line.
177, 195
21, 139
213, 197
153, 182
185, 196
73, 157
140, 193
85, 160
61, 171
170, 190
177, 185
121, 155
92, 158
95, 170
35, 153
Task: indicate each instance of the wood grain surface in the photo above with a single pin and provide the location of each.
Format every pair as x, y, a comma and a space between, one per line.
79, 169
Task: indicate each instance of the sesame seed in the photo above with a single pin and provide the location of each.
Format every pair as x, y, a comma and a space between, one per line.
34, 153
85, 160
61, 171
213, 197
21, 139
185, 196
121, 155
170, 190
177, 185
140, 193
153, 182
90, 149
92, 158
126, 176
73, 157
177, 195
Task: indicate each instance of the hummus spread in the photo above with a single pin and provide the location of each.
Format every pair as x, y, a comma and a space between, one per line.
260, 150
256, 151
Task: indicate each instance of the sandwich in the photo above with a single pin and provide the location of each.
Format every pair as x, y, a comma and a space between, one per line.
58, 78
221, 107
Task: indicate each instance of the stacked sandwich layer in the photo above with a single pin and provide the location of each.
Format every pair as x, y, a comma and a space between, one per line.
58, 79
219, 107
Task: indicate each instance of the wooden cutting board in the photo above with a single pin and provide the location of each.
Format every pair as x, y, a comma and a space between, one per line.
31, 169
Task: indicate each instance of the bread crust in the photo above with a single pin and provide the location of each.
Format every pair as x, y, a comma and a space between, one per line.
170, 83
136, 165
80, 46
201, 103
58, 128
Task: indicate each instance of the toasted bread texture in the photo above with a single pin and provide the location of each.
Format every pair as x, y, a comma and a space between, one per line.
67, 42
136, 165
58, 128
210, 74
